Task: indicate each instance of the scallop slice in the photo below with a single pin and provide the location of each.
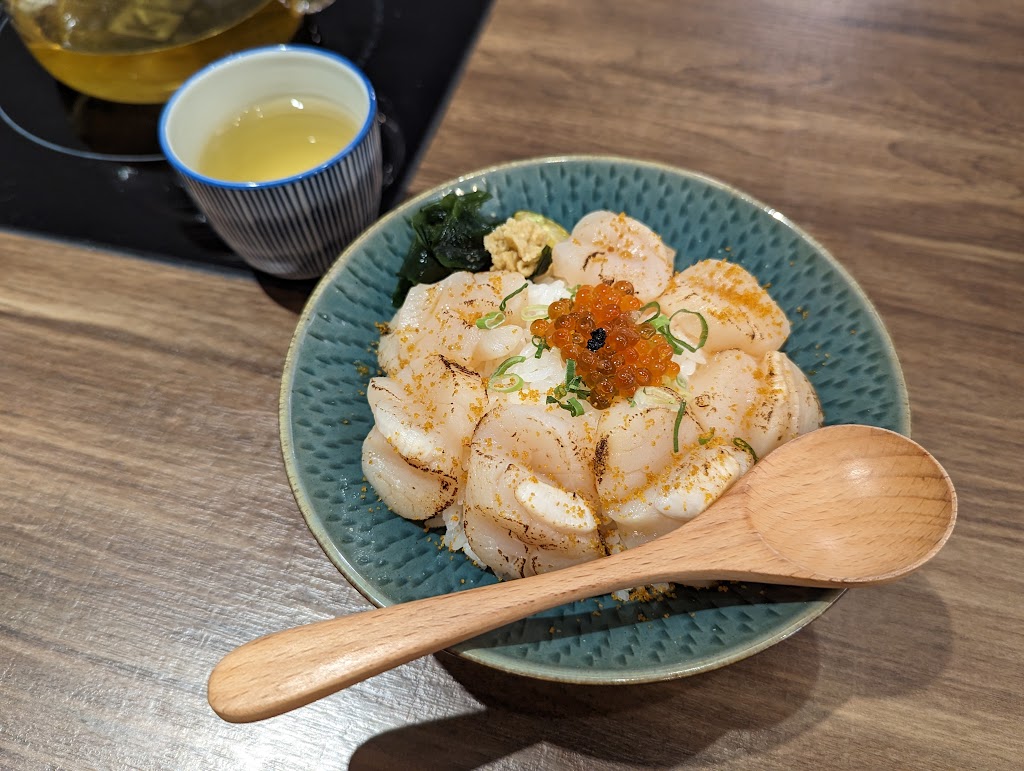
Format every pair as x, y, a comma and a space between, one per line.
530, 503
764, 401
739, 312
605, 247
653, 477
412, 492
424, 419
442, 318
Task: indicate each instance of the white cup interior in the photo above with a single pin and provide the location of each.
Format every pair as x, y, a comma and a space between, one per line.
225, 89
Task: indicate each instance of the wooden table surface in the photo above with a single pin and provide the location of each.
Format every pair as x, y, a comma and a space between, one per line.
147, 523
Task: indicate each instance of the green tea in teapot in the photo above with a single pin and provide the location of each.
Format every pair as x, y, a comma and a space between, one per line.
140, 51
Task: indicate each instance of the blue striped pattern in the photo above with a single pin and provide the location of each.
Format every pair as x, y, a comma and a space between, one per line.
297, 229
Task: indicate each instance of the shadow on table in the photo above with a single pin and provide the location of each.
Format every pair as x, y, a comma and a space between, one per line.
869, 646
289, 294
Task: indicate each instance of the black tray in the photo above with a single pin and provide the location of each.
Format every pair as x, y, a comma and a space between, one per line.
89, 171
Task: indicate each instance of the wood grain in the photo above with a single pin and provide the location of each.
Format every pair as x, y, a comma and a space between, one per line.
147, 526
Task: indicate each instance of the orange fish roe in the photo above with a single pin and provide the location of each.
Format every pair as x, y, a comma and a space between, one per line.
614, 354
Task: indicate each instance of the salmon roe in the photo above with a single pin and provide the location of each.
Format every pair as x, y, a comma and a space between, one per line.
614, 354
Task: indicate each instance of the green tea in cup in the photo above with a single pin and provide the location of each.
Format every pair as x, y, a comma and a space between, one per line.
277, 138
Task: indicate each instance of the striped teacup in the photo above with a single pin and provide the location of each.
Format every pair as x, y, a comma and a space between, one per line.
295, 226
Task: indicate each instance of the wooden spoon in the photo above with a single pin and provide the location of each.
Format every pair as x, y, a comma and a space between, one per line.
839, 507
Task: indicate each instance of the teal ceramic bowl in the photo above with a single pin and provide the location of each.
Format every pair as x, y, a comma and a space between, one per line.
837, 338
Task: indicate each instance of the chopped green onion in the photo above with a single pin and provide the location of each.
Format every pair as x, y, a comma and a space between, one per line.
745, 446
531, 312
703, 328
675, 428
656, 397
573, 385
515, 381
578, 387
573, 290
541, 344
681, 387
657, 312
497, 318
574, 407
511, 361
705, 438
501, 307
573, 382
663, 324
572, 404
491, 320
514, 384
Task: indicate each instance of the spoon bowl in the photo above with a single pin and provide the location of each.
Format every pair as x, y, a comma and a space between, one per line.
865, 506
839, 507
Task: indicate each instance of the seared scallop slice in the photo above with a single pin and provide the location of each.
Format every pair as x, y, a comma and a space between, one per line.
415, 455
764, 401
652, 476
606, 247
530, 504
442, 318
738, 311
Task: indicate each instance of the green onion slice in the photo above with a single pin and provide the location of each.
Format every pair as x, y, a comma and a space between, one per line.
745, 446
497, 318
515, 382
491, 320
675, 428
531, 312
573, 383
541, 345
703, 326
572, 404
657, 312
501, 307
511, 361
705, 438
664, 325
657, 397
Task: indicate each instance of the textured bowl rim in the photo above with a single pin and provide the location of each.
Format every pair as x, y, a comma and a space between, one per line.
487, 656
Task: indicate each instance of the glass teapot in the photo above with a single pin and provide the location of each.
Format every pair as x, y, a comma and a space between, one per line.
140, 51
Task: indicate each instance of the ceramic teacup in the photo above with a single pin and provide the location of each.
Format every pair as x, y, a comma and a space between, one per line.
295, 226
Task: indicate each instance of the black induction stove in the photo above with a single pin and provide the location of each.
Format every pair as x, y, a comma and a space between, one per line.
78, 168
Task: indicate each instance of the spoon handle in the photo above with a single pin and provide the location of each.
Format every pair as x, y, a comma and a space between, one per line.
288, 669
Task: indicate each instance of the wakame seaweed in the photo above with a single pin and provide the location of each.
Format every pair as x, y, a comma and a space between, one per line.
448, 237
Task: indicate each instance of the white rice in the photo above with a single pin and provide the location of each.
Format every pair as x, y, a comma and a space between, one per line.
545, 294
455, 532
